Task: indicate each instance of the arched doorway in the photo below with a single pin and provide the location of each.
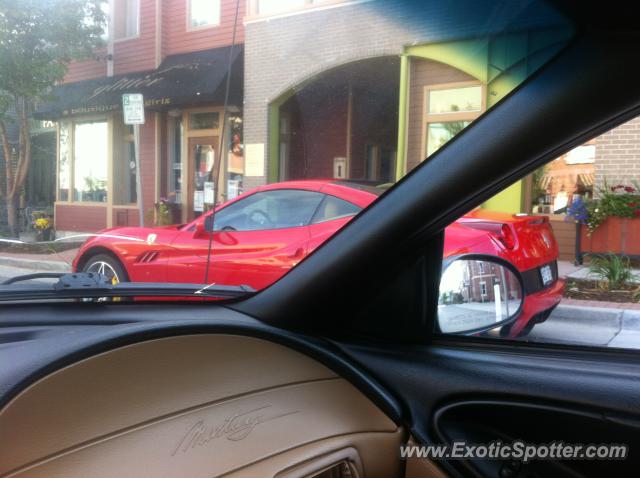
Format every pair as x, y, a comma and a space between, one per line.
343, 123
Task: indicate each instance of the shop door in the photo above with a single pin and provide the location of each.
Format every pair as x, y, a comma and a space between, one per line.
202, 157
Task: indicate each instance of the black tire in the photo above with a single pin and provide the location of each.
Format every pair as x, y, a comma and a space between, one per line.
104, 262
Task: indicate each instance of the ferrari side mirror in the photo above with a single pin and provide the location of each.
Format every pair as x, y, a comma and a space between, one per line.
478, 293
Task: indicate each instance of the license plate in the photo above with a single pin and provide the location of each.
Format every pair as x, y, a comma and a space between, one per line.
546, 274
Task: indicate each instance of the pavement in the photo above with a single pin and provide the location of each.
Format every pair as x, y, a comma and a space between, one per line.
587, 325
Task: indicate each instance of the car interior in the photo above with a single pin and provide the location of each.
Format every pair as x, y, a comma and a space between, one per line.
329, 370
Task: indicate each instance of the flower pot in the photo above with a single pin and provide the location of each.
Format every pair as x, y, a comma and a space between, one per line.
616, 234
43, 235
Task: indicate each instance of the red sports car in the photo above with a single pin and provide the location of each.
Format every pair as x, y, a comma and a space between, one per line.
262, 234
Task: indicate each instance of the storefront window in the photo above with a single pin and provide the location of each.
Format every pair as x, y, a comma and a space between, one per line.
449, 109
174, 175
204, 12
235, 162
559, 183
439, 133
452, 100
208, 120
90, 161
124, 165
64, 170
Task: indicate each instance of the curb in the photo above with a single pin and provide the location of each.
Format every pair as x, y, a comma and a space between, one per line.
621, 319
36, 265
598, 316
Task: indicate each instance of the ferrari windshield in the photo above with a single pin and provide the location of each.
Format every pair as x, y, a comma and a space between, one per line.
221, 142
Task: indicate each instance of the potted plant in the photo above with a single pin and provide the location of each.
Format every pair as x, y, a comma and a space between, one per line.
161, 213
43, 225
610, 222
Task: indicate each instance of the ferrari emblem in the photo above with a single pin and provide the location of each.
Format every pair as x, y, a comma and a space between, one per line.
151, 238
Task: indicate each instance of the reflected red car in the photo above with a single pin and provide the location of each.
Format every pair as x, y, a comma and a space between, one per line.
262, 234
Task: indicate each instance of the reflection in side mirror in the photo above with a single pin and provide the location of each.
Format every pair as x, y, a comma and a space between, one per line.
478, 293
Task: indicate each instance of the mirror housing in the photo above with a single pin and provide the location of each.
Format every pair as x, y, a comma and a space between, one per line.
477, 293
204, 227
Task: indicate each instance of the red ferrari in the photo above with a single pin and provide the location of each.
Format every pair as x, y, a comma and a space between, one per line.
262, 234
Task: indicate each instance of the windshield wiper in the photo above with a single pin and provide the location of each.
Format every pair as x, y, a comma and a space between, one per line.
89, 285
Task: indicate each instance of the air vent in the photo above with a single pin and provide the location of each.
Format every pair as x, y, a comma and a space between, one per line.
148, 256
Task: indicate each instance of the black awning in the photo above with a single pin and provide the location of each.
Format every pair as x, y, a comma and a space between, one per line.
181, 80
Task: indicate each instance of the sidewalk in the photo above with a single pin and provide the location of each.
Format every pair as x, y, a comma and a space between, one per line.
52, 262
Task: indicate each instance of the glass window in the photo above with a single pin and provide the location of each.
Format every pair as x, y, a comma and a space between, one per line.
174, 174
90, 161
267, 7
452, 100
334, 208
439, 133
125, 19
64, 166
208, 120
204, 12
269, 210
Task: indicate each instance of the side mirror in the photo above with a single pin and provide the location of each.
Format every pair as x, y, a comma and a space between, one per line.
204, 227
477, 293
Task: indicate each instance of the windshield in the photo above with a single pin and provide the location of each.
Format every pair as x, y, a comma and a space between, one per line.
220, 143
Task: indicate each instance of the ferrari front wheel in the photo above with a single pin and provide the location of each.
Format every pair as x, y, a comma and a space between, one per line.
107, 266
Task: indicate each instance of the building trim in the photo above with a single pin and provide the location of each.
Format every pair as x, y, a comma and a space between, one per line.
403, 117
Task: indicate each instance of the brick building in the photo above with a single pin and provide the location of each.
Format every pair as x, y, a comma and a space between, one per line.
368, 89
176, 53
360, 89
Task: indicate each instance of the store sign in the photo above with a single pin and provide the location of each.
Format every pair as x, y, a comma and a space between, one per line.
133, 108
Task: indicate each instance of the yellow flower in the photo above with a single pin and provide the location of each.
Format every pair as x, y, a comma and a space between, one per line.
42, 223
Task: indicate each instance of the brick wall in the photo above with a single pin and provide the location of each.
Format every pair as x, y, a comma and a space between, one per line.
80, 218
618, 154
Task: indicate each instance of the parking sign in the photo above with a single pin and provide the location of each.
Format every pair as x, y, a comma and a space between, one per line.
133, 108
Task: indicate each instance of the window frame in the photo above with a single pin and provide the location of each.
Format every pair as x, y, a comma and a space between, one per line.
430, 118
111, 28
192, 28
72, 161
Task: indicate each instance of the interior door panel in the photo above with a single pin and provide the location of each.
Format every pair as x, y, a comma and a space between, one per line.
485, 421
480, 392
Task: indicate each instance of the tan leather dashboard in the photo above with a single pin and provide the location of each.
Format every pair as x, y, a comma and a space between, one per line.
195, 406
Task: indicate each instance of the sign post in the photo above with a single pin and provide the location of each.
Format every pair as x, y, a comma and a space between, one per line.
133, 112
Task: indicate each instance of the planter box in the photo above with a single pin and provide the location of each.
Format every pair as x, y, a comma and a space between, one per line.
616, 234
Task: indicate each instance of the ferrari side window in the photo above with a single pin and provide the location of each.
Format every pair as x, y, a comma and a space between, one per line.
278, 209
559, 252
334, 208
